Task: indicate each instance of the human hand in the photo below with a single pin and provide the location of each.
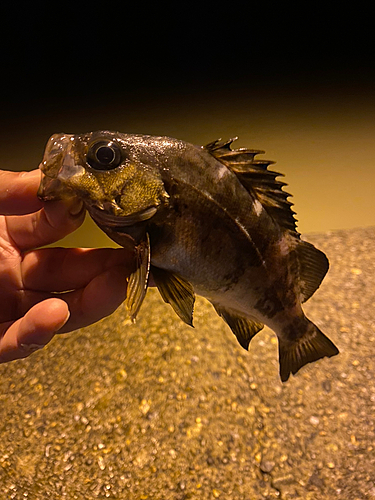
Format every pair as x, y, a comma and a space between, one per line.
49, 290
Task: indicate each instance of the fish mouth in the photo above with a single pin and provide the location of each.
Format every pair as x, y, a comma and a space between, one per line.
50, 188
118, 221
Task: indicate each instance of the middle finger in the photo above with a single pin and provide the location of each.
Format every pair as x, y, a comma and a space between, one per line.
62, 269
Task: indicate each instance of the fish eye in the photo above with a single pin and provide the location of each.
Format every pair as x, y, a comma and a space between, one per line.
104, 155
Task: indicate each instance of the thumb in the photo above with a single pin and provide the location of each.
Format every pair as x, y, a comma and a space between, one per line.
34, 330
18, 192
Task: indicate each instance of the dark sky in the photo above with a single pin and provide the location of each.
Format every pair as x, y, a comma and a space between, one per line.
52, 60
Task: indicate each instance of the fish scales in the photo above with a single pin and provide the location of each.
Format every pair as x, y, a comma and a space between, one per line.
208, 220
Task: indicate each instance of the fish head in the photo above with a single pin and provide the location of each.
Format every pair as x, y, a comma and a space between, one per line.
117, 187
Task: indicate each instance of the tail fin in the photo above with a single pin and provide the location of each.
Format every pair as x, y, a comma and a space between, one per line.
309, 347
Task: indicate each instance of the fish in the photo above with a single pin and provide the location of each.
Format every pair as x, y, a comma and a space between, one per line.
212, 221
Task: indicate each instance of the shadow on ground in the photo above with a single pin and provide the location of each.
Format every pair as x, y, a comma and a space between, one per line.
158, 410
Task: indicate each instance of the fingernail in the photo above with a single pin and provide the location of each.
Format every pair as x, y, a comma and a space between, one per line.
32, 173
76, 208
31, 347
59, 326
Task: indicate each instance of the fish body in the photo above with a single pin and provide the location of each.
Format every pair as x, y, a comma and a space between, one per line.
207, 220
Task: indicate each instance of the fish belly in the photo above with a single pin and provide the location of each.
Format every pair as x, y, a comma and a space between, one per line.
226, 267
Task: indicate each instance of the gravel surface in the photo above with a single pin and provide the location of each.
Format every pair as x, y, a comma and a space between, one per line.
159, 410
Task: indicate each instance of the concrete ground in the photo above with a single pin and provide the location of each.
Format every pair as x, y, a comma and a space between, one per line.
158, 410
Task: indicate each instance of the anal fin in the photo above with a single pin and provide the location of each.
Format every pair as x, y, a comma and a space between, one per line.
309, 347
175, 291
243, 328
138, 280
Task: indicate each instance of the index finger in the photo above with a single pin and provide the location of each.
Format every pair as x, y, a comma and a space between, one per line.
18, 194
53, 222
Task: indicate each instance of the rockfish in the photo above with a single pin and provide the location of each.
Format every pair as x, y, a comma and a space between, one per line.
209, 220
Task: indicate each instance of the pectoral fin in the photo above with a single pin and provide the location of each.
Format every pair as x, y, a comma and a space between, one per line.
243, 328
175, 291
137, 283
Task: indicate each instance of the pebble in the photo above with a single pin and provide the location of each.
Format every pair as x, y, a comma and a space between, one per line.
314, 420
267, 466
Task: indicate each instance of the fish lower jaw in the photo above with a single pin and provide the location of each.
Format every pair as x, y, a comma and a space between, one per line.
117, 221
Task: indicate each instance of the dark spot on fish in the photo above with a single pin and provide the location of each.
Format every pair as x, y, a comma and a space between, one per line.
293, 262
269, 304
232, 278
295, 329
159, 233
171, 187
179, 207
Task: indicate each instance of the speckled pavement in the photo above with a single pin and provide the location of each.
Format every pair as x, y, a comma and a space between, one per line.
159, 410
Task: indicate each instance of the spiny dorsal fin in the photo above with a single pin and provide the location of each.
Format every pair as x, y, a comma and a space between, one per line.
257, 179
243, 328
219, 147
137, 283
313, 266
176, 291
